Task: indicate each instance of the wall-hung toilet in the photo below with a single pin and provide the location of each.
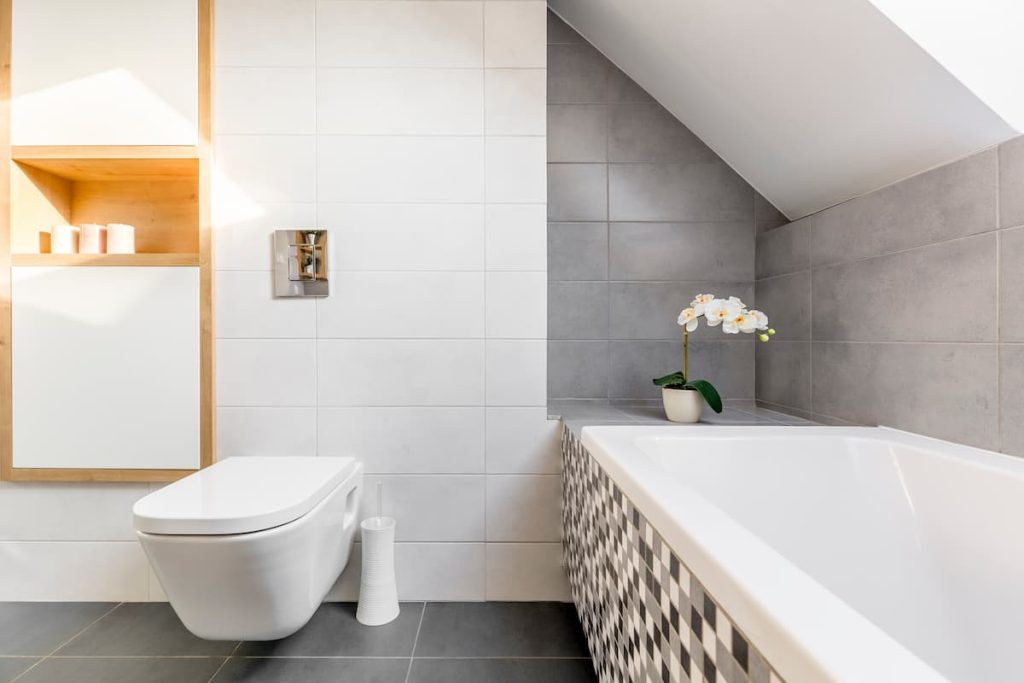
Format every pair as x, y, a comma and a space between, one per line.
248, 548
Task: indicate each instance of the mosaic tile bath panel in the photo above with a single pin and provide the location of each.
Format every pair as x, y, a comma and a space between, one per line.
647, 618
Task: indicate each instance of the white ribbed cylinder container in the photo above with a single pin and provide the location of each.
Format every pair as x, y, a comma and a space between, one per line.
378, 593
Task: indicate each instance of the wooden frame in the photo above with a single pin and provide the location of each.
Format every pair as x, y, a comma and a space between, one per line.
102, 164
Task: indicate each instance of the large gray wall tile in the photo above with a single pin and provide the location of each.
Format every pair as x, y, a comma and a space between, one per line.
576, 74
1011, 183
702, 191
681, 251
728, 365
577, 369
941, 390
646, 131
955, 200
649, 310
1011, 398
622, 88
577, 132
560, 33
1011, 285
765, 211
578, 310
783, 373
907, 296
785, 249
786, 300
577, 251
577, 192
643, 273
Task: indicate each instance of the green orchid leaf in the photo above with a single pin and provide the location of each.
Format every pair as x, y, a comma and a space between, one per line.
708, 391
676, 378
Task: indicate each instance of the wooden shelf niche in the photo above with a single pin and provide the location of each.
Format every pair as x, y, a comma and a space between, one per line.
156, 189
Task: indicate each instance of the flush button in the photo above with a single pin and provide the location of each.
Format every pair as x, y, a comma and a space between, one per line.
300, 263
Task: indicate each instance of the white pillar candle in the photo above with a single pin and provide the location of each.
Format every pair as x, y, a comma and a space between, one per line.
64, 239
120, 238
93, 239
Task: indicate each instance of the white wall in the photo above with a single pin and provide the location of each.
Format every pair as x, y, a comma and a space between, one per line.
415, 132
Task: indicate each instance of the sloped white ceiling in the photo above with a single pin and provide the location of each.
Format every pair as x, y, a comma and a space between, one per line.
812, 101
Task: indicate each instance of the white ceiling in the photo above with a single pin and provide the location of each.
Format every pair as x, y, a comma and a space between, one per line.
812, 101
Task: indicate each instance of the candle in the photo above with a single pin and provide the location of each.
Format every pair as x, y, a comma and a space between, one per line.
93, 239
64, 239
120, 238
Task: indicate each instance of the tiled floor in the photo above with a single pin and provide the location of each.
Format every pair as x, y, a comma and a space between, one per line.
428, 643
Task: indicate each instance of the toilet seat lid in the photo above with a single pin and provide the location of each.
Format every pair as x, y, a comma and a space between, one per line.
241, 495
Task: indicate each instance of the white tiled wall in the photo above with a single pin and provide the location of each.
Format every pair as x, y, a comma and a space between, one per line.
414, 130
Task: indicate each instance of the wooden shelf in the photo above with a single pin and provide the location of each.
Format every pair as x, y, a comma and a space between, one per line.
156, 189
105, 259
122, 163
104, 152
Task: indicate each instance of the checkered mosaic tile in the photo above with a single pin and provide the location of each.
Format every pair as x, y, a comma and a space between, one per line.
646, 616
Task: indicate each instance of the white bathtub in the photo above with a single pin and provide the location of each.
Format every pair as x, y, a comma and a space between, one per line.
846, 554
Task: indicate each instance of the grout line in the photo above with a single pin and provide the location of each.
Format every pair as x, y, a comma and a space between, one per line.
895, 252
810, 315
59, 646
235, 656
442, 136
371, 657
225, 662
607, 238
316, 222
340, 67
483, 51
415, 642
999, 325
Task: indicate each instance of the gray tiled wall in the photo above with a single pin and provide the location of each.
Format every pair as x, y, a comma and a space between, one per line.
642, 216
905, 307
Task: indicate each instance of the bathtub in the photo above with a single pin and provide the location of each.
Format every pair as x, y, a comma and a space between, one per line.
836, 554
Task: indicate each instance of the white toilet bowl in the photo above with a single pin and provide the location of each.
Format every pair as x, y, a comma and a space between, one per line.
248, 548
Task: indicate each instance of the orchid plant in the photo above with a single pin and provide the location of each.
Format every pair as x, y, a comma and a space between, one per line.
734, 317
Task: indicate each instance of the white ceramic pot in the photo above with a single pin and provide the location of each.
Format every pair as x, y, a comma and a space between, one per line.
682, 405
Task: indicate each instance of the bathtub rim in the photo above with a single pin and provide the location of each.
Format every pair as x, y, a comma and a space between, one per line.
804, 635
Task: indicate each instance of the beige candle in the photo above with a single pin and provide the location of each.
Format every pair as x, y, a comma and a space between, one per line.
64, 239
93, 239
120, 238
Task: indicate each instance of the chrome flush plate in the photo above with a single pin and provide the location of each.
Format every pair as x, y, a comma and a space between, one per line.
300, 263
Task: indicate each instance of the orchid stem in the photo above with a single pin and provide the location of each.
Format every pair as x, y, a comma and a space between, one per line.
686, 355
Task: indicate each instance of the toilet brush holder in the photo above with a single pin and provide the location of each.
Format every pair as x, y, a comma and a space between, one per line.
378, 593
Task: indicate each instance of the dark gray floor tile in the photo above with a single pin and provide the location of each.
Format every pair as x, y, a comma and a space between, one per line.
131, 670
142, 629
334, 632
36, 628
10, 667
501, 629
502, 671
258, 670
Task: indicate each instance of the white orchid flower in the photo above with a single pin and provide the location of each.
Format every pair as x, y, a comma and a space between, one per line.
736, 301
720, 310
741, 321
747, 322
761, 318
689, 317
701, 301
